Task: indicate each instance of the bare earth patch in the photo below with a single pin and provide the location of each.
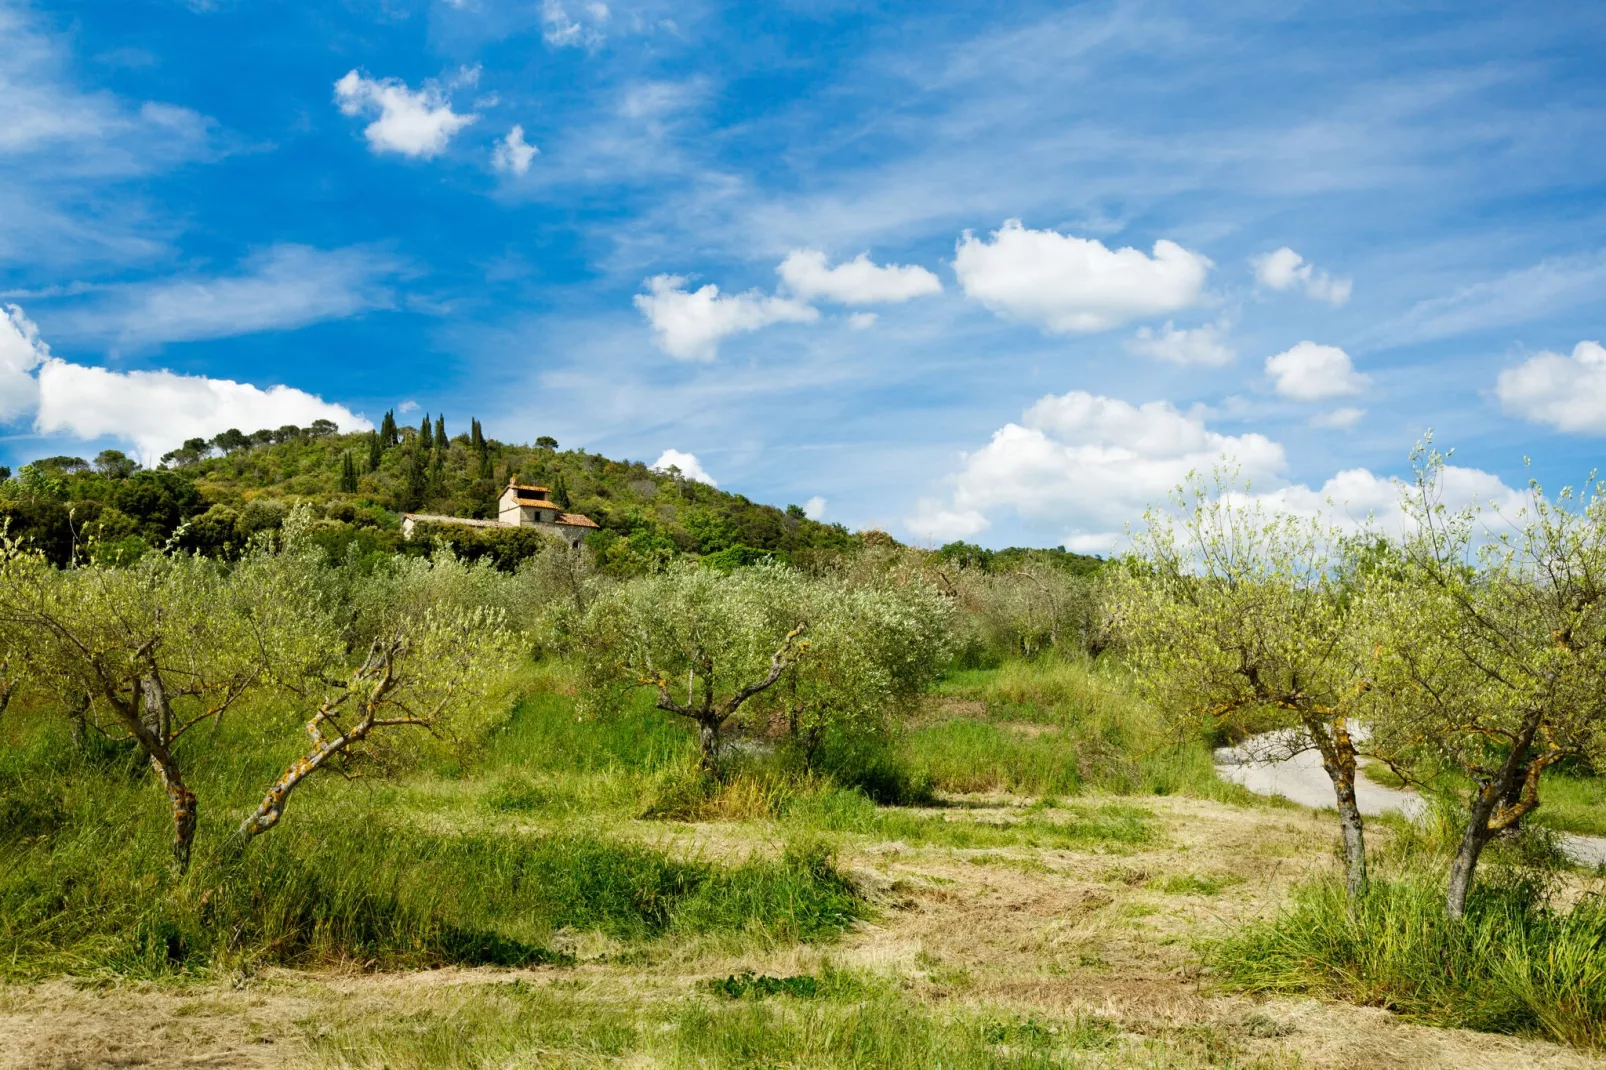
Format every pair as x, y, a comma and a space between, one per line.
1106, 929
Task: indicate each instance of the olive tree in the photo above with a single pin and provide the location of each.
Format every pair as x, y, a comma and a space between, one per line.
1492, 646
704, 641
1241, 614
871, 649
151, 652
424, 677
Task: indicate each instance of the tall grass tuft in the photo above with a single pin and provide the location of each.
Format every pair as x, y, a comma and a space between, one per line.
1514, 964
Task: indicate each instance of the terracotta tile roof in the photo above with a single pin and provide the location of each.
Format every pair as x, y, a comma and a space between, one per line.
576, 520
526, 486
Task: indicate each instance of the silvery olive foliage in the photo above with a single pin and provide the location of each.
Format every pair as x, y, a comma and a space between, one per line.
807, 652
1490, 641
1240, 615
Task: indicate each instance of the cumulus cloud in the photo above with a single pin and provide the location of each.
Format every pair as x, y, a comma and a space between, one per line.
21, 351
155, 411
1338, 419
686, 463
855, 282
582, 30
280, 288
1085, 466
513, 154
814, 508
1566, 392
1311, 372
1205, 345
414, 123
690, 324
1067, 284
1287, 270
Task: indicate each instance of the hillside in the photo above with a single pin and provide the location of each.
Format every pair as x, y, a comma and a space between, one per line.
224, 490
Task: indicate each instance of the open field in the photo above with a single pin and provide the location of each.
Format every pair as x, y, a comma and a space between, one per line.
993, 926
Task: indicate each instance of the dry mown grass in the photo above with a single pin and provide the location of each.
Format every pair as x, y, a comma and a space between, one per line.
1098, 933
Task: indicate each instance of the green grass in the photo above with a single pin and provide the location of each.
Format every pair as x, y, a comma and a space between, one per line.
867, 1024
1054, 726
1567, 803
1514, 964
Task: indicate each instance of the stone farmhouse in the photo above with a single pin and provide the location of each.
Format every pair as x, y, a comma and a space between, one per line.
519, 506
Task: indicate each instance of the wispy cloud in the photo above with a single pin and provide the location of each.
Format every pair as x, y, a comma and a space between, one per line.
1521, 296
280, 288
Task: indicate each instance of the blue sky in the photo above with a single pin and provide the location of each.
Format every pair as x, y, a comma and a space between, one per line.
1104, 243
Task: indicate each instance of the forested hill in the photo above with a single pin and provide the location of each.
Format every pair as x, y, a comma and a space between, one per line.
212, 496
359, 484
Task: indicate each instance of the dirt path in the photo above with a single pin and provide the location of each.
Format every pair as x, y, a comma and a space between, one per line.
1106, 929
1302, 779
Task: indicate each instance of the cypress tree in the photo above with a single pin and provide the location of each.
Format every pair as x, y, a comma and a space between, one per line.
560, 494
388, 435
376, 447
425, 439
487, 469
476, 435
507, 472
348, 474
440, 431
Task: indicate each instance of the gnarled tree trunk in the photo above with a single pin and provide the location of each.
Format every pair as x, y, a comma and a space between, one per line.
1338, 760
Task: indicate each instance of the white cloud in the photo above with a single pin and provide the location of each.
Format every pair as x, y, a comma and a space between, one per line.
1067, 284
814, 508
1311, 372
1338, 419
690, 324
154, 410
1568, 393
1085, 466
157, 411
414, 123
933, 522
686, 463
1204, 345
862, 321
280, 288
859, 281
1353, 495
512, 153
1286, 269
21, 351
407, 406
560, 30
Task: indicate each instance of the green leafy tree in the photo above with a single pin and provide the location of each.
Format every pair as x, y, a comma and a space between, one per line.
546, 442
1492, 654
160, 648
424, 678
704, 642
1249, 617
114, 464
